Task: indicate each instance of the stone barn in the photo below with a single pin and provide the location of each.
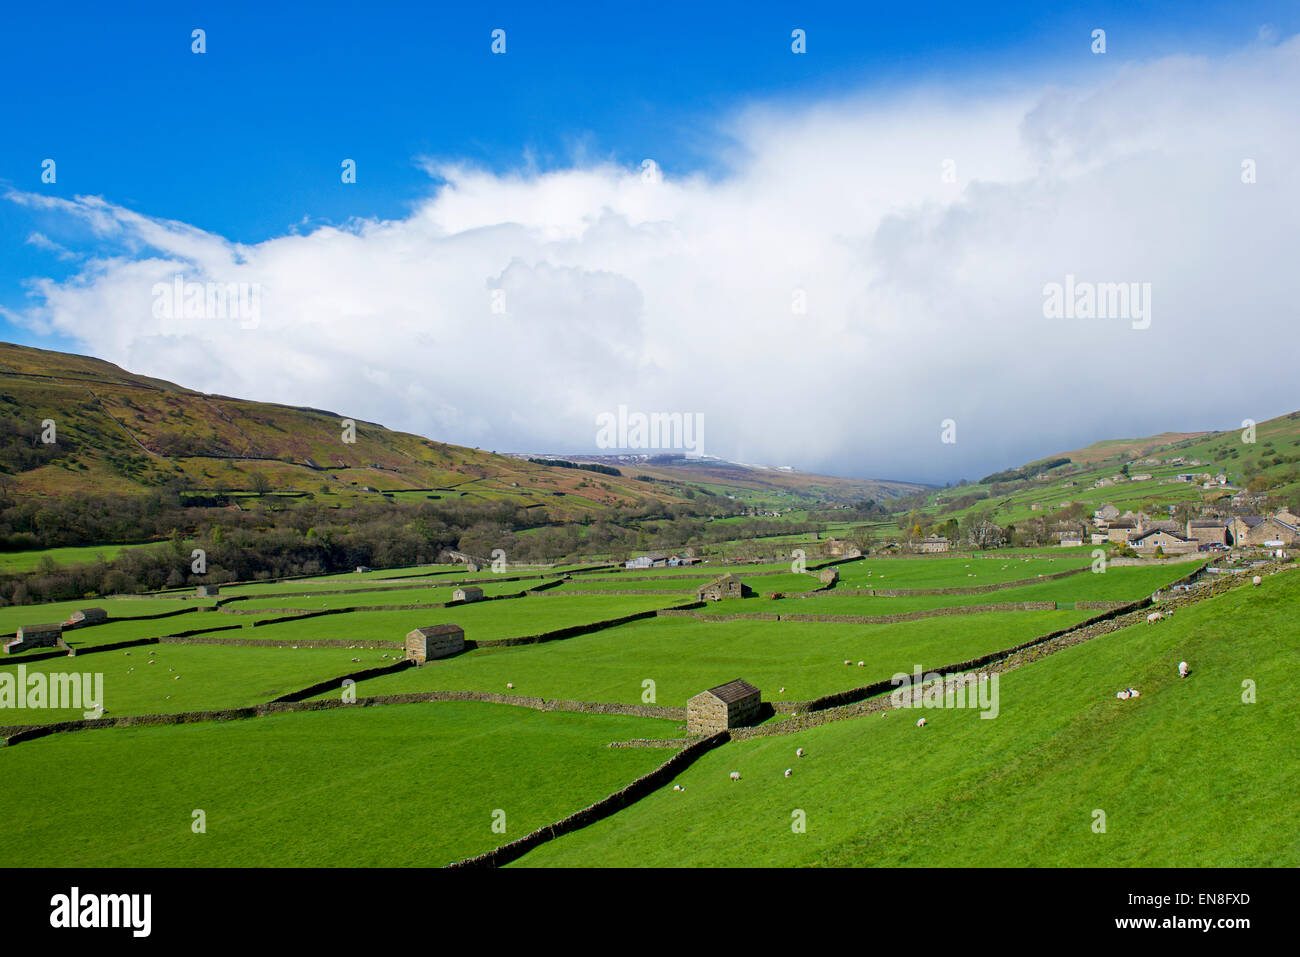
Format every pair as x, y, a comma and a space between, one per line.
468, 593
36, 636
728, 586
87, 616
207, 591
435, 641
727, 706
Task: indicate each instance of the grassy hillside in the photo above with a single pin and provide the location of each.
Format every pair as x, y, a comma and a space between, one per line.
1187, 775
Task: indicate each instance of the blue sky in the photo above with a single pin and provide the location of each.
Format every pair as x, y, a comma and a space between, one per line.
246, 140
245, 143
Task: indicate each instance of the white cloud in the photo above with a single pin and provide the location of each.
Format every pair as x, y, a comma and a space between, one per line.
674, 293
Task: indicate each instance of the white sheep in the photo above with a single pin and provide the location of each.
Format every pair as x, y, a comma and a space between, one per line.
510, 684
920, 722
1122, 695
1257, 580
787, 772
862, 664
798, 753
735, 775
1154, 617
847, 662
1182, 669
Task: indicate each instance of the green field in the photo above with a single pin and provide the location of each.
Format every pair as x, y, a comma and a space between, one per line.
1187, 775
406, 785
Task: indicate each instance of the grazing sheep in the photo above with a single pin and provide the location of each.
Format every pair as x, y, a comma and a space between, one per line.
735, 775
1182, 669
677, 787
1257, 580
1122, 695
1154, 617
920, 722
862, 664
510, 684
847, 662
798, 752
781, 690
1134, 693
787, 772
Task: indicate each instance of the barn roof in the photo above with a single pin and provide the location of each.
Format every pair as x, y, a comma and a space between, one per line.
733, 691
720, 579
432, 631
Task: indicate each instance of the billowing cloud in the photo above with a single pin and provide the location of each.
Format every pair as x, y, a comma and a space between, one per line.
862, 270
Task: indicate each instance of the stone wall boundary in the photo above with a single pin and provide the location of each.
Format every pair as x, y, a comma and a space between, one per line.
638, 789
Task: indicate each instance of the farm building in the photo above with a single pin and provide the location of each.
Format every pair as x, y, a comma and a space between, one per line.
653, 560
207, 591
435, 641
727, 586
86, 616
1207, 530
362, 569
933, 543
36, 636
731, 705
1071, 539
467, 593
1170, 543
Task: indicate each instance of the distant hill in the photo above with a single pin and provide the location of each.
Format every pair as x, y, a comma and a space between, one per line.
746, 481
117, 432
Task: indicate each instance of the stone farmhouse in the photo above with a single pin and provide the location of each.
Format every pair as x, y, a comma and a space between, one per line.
1271, 531
727, 586
435, 641
467, 593
933, 543
1169, 543
1106, 514
727, 706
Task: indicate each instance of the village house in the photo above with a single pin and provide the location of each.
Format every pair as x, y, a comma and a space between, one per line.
731, 705
726, 586
1168, 543
933, 543
1272, 532
1288, 516
467, 593
1105, 514
435, 641
1207, 531
1120, 530
1239, 527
